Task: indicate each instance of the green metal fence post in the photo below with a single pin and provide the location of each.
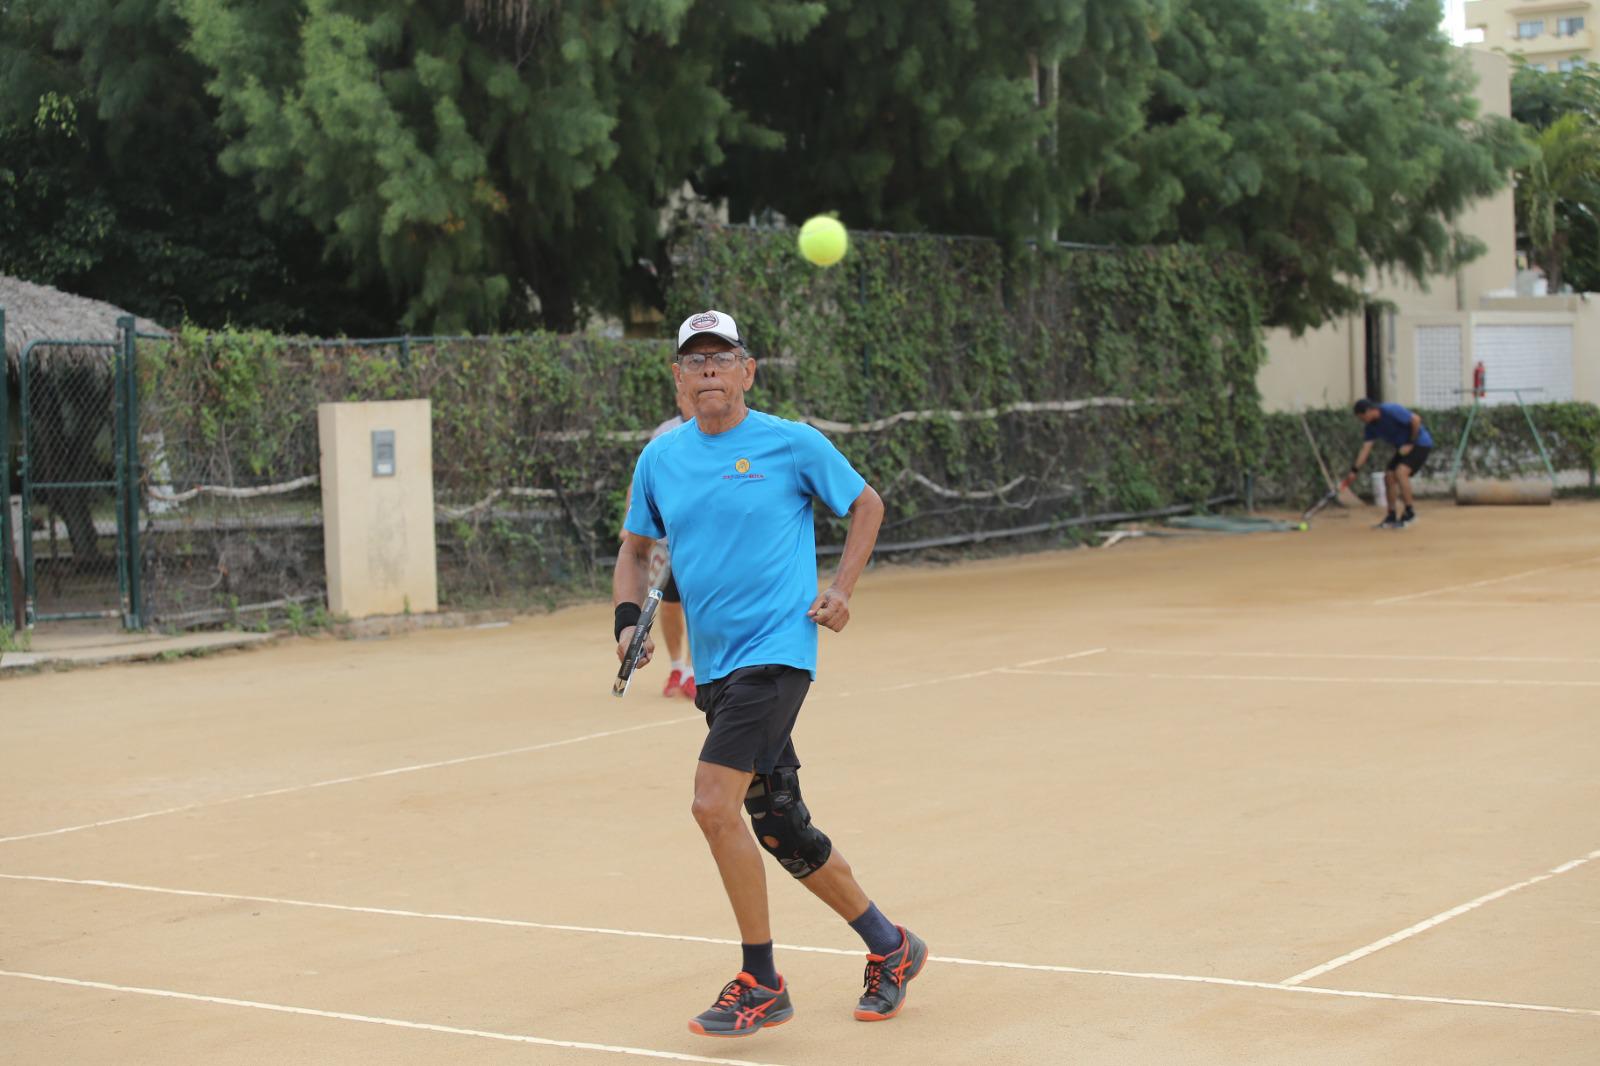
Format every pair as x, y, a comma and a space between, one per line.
119, 476
6, 591
1461, 448
130, 453
28, 583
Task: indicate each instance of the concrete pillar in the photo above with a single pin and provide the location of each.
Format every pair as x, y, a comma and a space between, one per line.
377, 507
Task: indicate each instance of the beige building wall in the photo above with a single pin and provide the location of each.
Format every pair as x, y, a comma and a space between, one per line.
377, 528
1320, 368
1492, 221
1552, 34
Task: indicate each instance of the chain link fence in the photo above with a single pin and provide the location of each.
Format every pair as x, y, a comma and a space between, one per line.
532, 448
985, 402
72, 488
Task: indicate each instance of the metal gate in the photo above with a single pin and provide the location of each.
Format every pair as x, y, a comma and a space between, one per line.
79, 463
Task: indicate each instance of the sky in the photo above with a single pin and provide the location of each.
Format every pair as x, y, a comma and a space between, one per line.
1455, 21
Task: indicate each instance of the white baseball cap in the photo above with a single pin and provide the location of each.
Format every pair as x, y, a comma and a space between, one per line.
714, 322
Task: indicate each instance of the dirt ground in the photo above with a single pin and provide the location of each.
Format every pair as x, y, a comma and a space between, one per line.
1322, 797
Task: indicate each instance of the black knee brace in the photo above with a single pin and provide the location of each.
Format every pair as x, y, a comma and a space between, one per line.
783, 825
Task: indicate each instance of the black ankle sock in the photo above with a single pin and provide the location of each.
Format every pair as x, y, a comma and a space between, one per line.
879, 932
758, 963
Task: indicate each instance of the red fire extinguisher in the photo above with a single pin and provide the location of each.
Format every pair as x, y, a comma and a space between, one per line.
1478, 379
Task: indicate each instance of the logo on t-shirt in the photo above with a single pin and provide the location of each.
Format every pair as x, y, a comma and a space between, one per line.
741, 468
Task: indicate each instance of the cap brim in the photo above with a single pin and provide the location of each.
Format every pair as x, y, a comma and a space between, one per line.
709, 333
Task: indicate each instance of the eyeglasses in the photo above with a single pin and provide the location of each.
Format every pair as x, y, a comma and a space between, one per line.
693, 361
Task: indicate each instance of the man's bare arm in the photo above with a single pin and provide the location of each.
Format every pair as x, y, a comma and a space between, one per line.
831, 608
630, 583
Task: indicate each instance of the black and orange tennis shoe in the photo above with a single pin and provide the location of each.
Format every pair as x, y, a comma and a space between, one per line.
886, 978
743, 1008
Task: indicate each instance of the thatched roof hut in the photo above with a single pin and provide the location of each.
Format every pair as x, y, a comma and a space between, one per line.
38, 312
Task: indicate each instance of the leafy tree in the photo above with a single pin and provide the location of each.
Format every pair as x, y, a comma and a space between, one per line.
493, 164
1556, 210
1323, 140
1559, 192
945, 115
1539, 97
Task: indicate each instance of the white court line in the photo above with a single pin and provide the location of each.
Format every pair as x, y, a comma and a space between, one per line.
1307, 678
854, 953
1353, 655
1059, 658
975, 673
476, 758
1486, 581
389, 912
1438, 919
349, 780
398, 1023
1563, 604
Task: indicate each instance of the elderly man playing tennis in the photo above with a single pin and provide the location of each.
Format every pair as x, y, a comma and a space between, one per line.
732, 491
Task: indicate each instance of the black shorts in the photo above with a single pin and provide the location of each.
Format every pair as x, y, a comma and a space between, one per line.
1414, 459
750, 714
669, 591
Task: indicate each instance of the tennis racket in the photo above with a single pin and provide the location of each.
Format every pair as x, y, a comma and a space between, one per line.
1332, 494
641, 632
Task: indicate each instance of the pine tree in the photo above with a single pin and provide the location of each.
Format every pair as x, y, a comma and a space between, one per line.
945, 116
497, 164
109, 184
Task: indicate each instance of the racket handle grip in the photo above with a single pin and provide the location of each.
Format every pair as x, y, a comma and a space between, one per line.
641, 632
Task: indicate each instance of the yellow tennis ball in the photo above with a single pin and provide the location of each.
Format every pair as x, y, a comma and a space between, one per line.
823, 240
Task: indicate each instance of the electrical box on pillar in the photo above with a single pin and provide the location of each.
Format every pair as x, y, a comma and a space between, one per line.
377, 507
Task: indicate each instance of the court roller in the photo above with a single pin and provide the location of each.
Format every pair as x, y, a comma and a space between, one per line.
1524, 492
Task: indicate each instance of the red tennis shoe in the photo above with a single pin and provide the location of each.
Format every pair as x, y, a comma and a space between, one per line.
743, 1008
886, 978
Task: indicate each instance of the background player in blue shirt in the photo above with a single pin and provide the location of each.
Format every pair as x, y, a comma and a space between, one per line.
733, 492
1394, 424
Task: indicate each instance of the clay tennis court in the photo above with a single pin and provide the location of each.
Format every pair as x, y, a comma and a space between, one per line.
1309, 798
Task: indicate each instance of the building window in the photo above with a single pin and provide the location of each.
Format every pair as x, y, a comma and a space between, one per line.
1536, 66
1566, 27
1530, 28
1575, 63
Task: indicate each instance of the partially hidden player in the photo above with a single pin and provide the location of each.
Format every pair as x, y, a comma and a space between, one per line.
674, 633
733, 490
1393, 424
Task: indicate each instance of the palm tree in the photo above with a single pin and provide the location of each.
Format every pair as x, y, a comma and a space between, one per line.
1559, 189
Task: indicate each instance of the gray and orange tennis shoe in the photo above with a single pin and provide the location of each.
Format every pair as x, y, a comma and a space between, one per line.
744, 1007
886, 978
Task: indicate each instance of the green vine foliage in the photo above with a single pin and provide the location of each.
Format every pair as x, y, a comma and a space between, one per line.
528, 477
1152, 352
1500, 446
1162, 343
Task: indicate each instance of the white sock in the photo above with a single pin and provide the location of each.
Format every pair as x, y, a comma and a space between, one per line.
680, 665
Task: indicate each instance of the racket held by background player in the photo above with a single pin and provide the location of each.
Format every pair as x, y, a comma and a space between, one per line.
1332, 494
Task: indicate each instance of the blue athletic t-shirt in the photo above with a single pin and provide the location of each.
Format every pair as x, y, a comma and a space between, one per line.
1394, 426
736, 507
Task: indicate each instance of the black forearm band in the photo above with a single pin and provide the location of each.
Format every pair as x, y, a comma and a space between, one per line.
627, 615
